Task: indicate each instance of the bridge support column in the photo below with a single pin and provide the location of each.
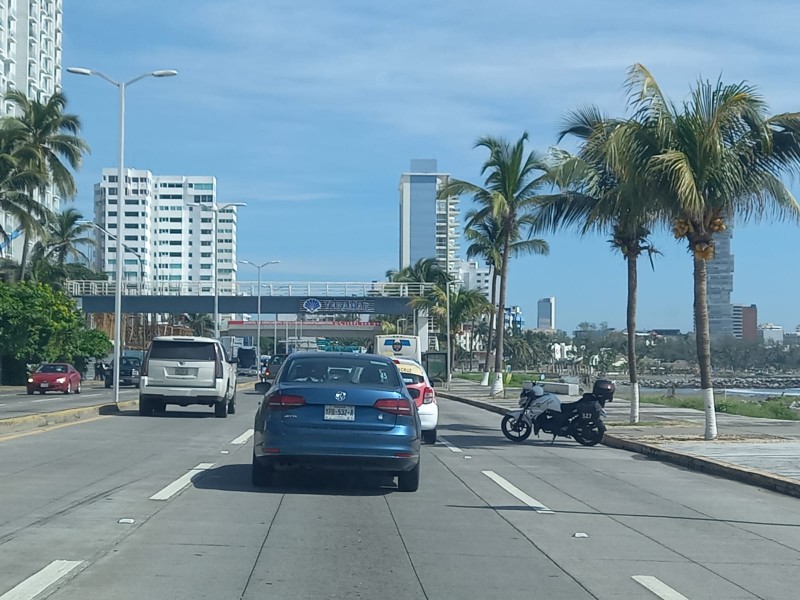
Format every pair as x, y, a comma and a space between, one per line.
421, 328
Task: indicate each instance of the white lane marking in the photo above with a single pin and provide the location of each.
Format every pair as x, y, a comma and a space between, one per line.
449, 445
180, 483
2, 404
242, 439
658, 587
90, 395
518, 493
44, 400
39, 582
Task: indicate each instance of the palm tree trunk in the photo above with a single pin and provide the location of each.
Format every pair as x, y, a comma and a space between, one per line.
633, 284
485, 381
497, 384
703, 337
23, 261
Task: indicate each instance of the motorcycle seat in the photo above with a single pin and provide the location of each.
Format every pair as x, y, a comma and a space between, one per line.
569, 406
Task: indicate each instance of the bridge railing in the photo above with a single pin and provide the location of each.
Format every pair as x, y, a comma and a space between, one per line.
338, 289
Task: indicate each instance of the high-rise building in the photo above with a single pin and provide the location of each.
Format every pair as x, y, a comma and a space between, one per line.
546, 313
745, 322
720, 286
30, 52
514, 319
167, 235
771, 334
429, 226
475, 277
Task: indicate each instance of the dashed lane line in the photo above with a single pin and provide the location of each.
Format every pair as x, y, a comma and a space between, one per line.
180, 483
658, 587
449, 445
41, 580
242, 439
518, 493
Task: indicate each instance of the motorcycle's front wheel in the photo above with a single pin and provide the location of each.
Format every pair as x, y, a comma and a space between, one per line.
590, 436
514, 429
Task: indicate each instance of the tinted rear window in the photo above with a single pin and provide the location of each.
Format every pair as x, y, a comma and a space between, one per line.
276, 361
412, 378
162, 350
342, 370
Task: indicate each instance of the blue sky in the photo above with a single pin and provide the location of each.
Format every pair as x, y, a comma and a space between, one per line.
310, 110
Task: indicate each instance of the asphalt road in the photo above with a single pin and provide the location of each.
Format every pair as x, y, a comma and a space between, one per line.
491, 520
17, 403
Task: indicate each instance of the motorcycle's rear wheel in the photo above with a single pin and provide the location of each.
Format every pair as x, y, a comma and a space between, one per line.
590, 436
515, 430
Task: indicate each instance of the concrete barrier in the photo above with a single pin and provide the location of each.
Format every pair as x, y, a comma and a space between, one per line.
567, 389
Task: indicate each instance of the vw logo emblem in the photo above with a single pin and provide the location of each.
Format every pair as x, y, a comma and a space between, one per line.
340, 396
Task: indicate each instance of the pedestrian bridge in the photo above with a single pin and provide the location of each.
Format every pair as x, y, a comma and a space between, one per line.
301, 298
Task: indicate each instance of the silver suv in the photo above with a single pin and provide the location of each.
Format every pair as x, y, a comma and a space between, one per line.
185, 371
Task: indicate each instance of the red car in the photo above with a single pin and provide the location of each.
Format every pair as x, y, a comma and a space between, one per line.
55, 377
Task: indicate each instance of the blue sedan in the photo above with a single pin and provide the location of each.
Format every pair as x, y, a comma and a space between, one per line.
338, 411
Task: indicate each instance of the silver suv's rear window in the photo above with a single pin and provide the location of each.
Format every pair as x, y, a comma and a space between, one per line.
164, 349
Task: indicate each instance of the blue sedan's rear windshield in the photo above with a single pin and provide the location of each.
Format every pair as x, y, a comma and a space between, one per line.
344, 370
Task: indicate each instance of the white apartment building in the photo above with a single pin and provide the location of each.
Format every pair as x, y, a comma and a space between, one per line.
30, 54
429, 226
475, 277
168, 234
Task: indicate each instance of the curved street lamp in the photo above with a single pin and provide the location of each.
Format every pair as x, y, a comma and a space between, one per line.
122, 86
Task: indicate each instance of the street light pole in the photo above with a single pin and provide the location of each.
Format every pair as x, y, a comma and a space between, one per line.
258, 317
449, 344
122, 86
127, 249
216, 210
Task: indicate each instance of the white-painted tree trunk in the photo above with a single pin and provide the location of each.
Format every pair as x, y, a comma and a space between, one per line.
485, 380
497, 385
711, 415
635, 402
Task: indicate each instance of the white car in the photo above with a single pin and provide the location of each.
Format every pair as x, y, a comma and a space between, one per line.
421, 390
187, 371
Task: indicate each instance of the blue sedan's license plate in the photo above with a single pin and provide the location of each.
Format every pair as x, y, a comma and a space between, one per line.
335, 412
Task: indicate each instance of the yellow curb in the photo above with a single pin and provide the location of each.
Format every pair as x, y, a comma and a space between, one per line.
67, 415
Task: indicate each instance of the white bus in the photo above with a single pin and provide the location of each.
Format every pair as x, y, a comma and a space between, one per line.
398, 346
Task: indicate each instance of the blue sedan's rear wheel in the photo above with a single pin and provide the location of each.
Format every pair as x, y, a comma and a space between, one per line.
408, 481
261, 475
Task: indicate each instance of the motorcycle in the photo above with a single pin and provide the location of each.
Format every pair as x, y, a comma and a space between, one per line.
581, 420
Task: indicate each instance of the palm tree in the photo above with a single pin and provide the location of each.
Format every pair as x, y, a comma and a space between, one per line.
47, 143
201, 324
464, 305
64, 236
718, 157
602, 193
484, 236
14, 183
8, 270
425, 270
509, 195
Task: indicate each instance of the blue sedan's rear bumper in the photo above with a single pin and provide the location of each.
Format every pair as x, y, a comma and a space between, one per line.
394, 450
341, 462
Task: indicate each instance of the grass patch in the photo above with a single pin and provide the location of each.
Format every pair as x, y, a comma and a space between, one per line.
517, 379
771, 408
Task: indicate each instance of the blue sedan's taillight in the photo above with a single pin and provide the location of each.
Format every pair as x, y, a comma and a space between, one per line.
284, 402
394, 406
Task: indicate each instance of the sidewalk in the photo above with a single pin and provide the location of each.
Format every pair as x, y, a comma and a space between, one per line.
761, 452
